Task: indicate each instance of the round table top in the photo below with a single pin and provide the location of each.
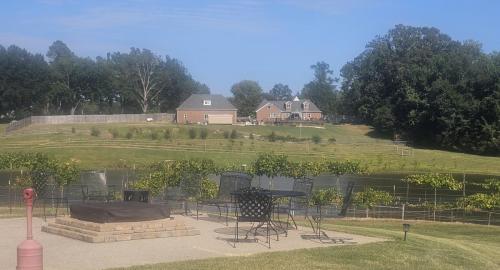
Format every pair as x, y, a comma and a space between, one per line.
280, 193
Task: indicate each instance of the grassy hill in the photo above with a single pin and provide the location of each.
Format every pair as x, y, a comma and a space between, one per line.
138, 143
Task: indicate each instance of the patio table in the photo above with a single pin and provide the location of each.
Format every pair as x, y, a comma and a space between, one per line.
277, 194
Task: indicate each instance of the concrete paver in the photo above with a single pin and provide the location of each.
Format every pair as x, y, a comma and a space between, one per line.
215, 240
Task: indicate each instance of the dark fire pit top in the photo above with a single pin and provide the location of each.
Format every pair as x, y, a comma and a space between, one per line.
119, 212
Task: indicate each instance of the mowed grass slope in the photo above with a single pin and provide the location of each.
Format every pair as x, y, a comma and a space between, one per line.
147, 142
429, 246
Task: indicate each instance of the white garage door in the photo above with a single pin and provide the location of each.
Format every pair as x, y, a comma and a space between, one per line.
220, 119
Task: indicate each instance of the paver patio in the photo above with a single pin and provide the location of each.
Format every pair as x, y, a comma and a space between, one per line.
215, 240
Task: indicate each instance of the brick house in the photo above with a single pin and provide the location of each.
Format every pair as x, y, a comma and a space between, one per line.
280, 110
205, 108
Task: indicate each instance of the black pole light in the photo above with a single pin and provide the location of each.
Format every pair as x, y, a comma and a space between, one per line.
406, 228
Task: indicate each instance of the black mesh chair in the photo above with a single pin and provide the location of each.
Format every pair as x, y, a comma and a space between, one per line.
300, 203
189, 189
253, 205
229, 183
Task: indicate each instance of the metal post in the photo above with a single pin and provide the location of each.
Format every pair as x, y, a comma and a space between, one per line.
10, 201
407, 191
403, 212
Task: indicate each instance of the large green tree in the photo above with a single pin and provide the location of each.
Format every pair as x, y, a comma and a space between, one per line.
322, 90
178, 86
73, 79
141, 73
246, 97
280, 92
418, 82
24, 80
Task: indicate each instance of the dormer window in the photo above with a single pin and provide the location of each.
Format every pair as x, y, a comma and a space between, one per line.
306, 106
288, 105
207, 102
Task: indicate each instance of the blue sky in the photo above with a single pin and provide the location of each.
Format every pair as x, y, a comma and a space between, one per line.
223, 42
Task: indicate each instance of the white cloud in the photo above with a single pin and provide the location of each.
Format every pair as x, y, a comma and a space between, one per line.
241, 15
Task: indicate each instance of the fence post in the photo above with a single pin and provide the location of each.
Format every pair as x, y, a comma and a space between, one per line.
489, 218
463, 192
10, 199
451, 215
403, 212
354, 212
407, 191
367, 212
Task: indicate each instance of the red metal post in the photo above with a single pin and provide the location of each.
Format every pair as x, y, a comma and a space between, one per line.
29, 252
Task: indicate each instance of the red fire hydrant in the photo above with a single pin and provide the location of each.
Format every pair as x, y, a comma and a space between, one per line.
29, 252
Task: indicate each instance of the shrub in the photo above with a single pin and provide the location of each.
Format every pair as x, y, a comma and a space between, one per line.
332, 140
234, 134
327, 196
192, 133
154, 135
209, 189
316, 139
73, 130
226, 134
167, 134
272, 137
114, 133
203, 133
129, 135
371, 197
95, 132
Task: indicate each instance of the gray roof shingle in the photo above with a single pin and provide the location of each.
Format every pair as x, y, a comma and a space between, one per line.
195, 102
296, 105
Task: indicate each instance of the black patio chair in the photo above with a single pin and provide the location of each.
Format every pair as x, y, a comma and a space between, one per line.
228, 184
254, 205
189, 189
301, 203
325, 212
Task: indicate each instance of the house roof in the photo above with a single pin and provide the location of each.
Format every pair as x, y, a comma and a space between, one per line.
296, 105
195, 102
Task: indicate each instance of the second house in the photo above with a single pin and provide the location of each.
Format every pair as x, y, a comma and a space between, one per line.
205, 108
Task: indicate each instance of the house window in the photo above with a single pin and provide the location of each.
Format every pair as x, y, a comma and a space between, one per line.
309, 115
207, 102
272, 115
185, 116
288, 105
306, 106
206, 117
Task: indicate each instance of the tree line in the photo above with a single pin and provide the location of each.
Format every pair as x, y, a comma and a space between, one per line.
414, 82
427, 87
135, 82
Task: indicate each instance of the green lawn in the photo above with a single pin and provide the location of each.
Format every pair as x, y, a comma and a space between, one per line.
351, 142
429, 246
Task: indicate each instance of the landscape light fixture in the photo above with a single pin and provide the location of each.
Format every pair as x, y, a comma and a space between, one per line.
406, 228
